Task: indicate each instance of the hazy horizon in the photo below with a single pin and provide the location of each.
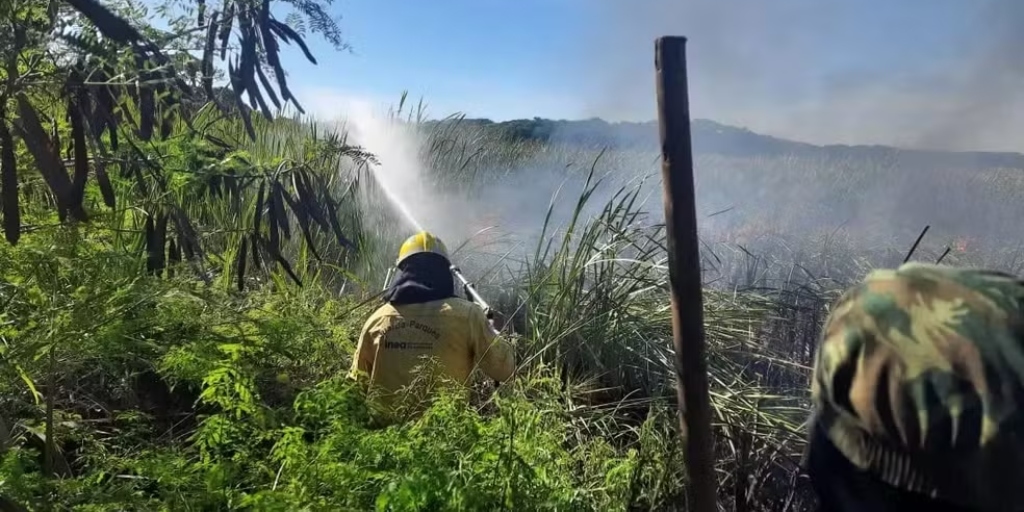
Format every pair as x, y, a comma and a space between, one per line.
940, 74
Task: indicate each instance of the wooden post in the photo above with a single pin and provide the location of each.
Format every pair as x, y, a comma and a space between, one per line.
684, 271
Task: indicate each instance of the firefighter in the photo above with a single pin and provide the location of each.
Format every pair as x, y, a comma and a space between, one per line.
423, 318
917, 393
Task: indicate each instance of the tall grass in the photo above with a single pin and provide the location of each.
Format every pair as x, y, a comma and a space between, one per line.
577, 262
585, 283
589, 305
589, 294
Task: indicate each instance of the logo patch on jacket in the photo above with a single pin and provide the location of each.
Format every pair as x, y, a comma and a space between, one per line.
401, 325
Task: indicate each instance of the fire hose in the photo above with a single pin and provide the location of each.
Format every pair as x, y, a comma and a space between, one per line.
471, 294
475, 296
467, 288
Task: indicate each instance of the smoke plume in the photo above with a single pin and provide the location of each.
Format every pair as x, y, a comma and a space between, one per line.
942, 74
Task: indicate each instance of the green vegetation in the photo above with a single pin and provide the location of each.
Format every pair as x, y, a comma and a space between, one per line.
172, 336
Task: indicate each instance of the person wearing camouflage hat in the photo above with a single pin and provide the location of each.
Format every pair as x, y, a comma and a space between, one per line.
918, 391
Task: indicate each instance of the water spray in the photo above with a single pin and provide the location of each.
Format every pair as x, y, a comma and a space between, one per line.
400, 156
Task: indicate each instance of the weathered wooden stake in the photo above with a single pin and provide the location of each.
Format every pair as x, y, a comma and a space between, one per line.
684, 271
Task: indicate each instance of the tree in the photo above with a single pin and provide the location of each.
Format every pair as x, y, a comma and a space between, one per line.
97, 84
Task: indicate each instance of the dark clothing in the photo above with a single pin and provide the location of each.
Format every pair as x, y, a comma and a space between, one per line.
841, 487
420, 278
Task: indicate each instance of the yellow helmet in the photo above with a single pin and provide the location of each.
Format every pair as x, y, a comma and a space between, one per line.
421, 242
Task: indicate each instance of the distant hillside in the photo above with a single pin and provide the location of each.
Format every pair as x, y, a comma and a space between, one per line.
710, 137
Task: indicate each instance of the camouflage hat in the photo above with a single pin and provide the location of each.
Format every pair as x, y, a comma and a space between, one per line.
919, 380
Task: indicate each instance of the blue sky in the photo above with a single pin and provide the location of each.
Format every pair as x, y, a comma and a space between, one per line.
488, 58
836, 70
849, 71
521, 58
